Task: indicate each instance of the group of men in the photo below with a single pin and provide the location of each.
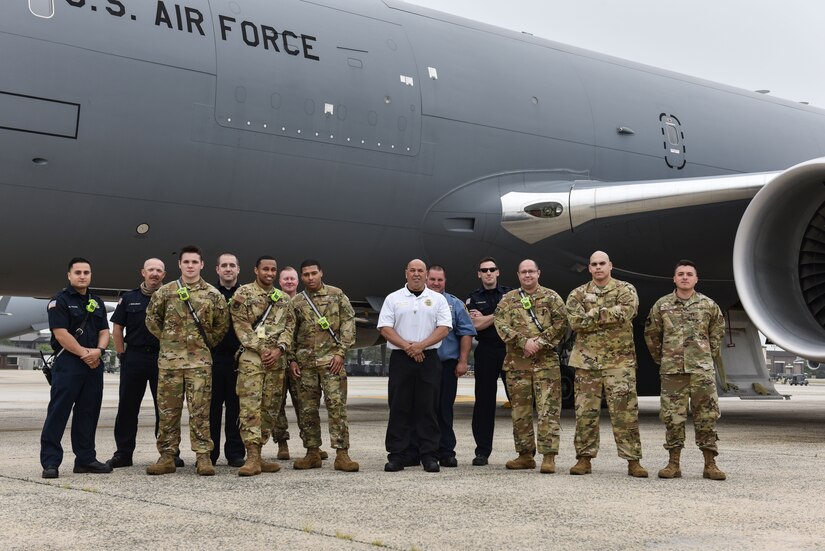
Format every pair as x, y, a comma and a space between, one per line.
239, 349
224, 349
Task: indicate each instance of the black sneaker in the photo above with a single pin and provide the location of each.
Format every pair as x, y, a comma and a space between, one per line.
393, 467
448, 462
431, 465
95, 467
236, 462
479, 461
179, 462
117, 461
50, 472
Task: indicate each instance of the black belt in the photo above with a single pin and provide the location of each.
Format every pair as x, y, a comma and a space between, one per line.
144, 349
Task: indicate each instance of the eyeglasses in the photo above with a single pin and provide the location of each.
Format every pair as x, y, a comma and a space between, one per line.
528, 272
487, 270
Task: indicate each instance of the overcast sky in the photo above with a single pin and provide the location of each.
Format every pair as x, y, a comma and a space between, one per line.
753, 44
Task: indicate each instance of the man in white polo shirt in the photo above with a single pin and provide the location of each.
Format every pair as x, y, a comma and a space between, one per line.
414, 320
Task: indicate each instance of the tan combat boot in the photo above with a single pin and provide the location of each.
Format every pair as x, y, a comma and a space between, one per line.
164, 465
672, 469
523, 461
711, 470
323, 453
312, 460
252, 466
283, 449
267, 466
344, 463
203, 465
548, 466
582, 466
635, 469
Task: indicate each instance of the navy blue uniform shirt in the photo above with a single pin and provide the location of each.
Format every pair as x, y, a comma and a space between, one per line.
485, 301
131, 314
67, 310
230, 343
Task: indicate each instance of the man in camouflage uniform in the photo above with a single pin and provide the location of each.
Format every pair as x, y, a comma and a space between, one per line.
684, 332
601, 313
531, 321
185, 361
264, 321
318, 364
288, 281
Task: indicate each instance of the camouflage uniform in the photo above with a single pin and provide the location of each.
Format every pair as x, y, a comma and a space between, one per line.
683, 336
314, 350
185, 361
260, 389
605, 358
537, 377
280, 431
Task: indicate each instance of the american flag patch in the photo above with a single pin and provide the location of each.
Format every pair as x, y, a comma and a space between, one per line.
120, 300
51, 305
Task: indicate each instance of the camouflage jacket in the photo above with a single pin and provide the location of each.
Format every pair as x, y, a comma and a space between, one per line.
168, 318
602, 318
684, 336
314, 346
248, 305
515, 325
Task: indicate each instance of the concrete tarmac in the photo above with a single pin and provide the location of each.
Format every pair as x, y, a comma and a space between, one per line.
772, 451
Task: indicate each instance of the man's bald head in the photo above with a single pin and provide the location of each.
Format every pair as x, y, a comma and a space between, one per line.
600, 268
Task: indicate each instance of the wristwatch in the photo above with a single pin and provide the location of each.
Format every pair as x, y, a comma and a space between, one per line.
102, 351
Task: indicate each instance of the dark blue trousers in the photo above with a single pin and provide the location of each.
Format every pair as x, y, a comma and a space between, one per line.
76, 387
224, 381
449, 388
413, 399
138, 368
488, 362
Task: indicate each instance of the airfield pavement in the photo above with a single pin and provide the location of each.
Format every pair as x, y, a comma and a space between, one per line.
772, 451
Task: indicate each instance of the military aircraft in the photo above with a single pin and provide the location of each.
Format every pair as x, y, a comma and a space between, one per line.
365, 133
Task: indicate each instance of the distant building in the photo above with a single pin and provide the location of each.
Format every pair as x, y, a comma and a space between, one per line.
16, 357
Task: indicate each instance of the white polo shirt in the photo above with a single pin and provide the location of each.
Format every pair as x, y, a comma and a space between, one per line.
415, 318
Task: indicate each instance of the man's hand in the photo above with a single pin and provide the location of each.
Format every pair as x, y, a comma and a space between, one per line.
295, 369
270, 357
531, 347
461, 368
475, 313
414, 349
336, 365
91, 357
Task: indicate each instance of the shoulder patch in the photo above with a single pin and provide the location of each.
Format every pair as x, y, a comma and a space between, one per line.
51, 305
120, 300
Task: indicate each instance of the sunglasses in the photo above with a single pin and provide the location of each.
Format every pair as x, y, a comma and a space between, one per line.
487, 270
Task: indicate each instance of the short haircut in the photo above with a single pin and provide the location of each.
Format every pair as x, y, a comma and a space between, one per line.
77, 260
487, 259
536, 264
260, 258
685, 262
288, 269
233, 255
191, 249
437, 268
310, 262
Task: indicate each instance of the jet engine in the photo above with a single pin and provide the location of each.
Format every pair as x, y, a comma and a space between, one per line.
779, 260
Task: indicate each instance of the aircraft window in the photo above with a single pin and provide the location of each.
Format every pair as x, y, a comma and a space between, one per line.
672, 134
42, 8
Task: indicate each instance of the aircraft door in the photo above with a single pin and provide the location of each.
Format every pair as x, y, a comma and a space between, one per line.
294, 69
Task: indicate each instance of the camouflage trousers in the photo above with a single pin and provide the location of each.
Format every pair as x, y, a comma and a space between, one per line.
196, 385
700, 390
280, 432
311, 383
259, 394
619, 387
541, 388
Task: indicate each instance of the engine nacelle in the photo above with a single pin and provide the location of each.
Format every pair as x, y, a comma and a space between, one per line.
779, 260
